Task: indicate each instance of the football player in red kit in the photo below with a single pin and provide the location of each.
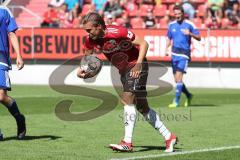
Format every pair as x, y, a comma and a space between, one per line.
127, 53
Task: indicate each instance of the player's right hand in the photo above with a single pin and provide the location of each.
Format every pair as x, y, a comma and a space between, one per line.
19, 62
82, 73
136, 70
166, 53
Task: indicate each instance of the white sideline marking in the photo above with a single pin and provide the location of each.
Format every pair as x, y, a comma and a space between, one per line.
41, 96
178, 153
33, 96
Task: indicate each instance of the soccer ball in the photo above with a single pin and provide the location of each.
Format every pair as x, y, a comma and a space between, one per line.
91, 65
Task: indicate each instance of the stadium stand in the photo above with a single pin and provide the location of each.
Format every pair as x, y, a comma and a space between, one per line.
160, 11
18, 3
137, 22
38, 7
135, 11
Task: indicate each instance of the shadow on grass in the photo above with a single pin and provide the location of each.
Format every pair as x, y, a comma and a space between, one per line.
204, 105
29, 138
148, 148
151, 148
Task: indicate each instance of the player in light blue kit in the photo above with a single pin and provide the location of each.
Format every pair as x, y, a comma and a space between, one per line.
179, 36
8, 27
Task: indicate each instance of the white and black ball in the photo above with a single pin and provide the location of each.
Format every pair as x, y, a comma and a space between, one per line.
91, 64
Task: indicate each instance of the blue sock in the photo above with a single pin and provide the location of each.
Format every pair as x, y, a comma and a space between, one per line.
185, 91
179, 88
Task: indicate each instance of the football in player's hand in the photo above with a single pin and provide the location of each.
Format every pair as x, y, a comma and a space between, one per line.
91, 64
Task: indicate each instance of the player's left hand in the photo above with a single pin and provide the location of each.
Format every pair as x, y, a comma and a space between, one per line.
19, 62
136, 70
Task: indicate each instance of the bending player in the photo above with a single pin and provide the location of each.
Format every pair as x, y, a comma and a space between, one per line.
119, 45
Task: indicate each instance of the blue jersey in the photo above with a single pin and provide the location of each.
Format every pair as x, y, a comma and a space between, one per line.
7, 24
181, 42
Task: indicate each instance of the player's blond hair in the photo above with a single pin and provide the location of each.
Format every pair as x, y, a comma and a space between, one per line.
95, 18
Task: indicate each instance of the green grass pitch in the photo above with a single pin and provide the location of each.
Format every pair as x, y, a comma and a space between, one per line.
212, 121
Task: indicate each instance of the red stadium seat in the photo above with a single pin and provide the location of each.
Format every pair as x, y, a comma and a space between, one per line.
160, 11
225, 22
202, 9
134, 13
137, 23
163, 23
87, 7
145, 8
170, 9
143, 13
169, 1
129, 7
207, 21
198, 22
120, 21
138, 1
200, 1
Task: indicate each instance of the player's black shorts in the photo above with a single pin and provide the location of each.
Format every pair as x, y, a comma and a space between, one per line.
138, 85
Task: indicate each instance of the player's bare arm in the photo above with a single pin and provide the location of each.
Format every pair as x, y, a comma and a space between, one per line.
197, 37
143, 47
15, 43
81, 72
187, 32
88, 52
168, 44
